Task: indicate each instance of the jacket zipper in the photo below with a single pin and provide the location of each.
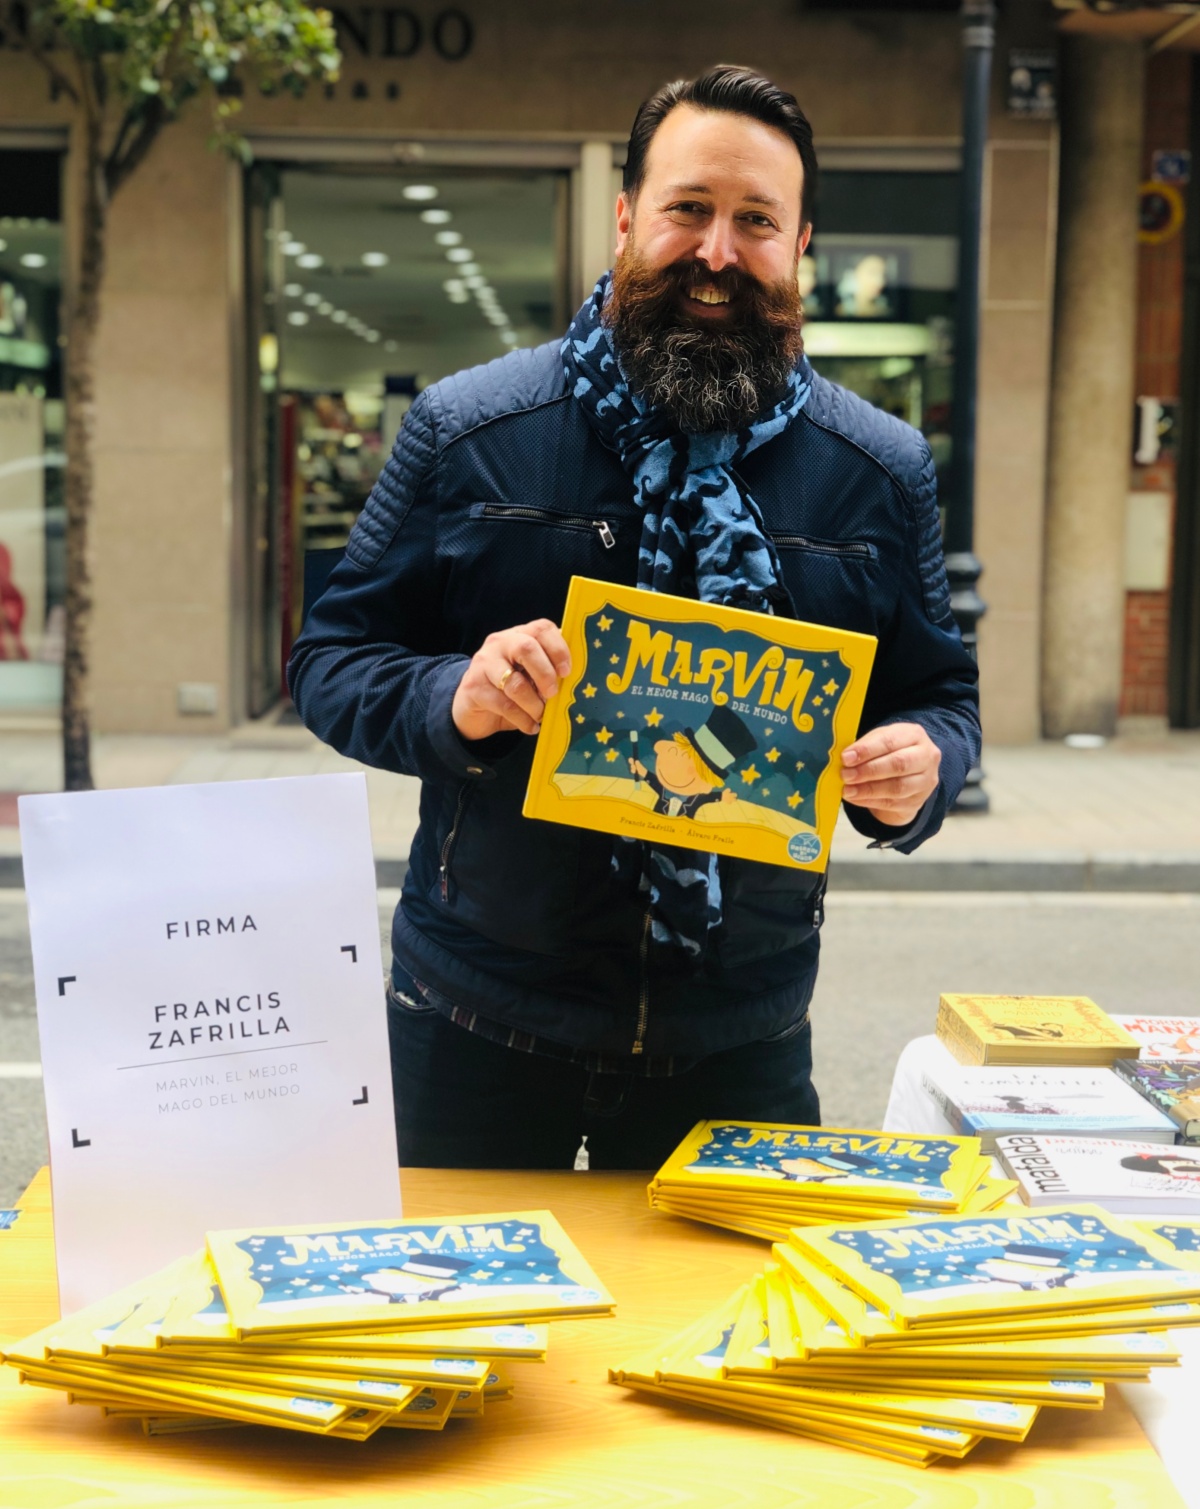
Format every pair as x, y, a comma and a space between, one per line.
819, 902
643, 986
448, 845
546, 516
823, 547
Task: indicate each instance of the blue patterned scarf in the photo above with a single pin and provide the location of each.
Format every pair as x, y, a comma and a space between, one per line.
702, 536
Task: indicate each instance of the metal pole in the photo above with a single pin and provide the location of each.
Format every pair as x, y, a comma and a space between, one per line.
962, 565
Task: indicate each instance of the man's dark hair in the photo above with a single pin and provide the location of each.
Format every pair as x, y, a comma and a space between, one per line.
740, 91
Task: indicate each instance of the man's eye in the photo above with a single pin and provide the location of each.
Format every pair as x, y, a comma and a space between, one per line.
687, 207
761, 222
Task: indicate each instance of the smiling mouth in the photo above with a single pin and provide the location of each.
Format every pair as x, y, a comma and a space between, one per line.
705, 293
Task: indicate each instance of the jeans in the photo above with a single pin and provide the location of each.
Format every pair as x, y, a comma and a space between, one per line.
463, 1101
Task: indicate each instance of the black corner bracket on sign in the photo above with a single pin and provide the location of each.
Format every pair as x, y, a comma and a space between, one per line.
77, 1140
363, 1100
63, 982
352, 950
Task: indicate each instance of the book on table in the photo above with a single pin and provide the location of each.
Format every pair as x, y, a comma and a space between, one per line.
1175, 1037
476, 1268
991, 1102
1172, 1085
1125, 1177
947, 1270
1031, 1030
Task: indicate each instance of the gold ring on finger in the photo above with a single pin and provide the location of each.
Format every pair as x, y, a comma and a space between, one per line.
504, 680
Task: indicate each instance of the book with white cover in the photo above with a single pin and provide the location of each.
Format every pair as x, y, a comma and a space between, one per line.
1175, 1037
995, 1102
1125, 1177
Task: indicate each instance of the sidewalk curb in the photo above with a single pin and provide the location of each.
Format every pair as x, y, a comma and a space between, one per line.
1124, 874
1099, 874
1017, 874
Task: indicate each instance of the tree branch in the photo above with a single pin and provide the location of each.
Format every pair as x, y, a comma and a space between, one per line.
118, 169
59, 79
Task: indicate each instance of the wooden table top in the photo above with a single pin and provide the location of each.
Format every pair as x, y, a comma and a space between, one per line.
568, 1438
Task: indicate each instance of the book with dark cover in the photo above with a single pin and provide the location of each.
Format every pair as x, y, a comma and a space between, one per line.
1173, 1085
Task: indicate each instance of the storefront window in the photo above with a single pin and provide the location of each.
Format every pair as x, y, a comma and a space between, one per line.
32, 560
373, 286
878, 284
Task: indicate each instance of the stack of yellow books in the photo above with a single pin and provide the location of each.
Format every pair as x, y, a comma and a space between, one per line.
914, 1340
763, 1179
337, 1330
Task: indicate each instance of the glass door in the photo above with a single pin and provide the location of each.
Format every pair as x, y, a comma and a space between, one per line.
371, 285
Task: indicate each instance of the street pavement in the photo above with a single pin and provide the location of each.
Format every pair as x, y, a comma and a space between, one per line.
1083, 878
886, 956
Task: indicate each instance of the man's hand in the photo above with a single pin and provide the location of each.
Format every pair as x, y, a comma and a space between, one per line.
510, 679
891, 772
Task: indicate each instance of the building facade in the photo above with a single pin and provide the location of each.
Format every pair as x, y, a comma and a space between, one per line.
451, 196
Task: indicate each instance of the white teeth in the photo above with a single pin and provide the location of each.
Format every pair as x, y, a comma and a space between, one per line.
709, 296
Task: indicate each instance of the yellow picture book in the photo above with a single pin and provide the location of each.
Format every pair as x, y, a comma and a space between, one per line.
255, 1406
196, 1323
1177, 1241
686, 723
395, 1274
867, 1326
823, 1164
956, 1268
1031, 1030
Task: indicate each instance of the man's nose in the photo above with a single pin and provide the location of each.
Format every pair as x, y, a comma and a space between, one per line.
718, 249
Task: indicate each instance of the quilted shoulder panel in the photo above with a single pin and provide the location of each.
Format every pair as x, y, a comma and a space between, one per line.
514, 382
395, 488
903, 452
445, 412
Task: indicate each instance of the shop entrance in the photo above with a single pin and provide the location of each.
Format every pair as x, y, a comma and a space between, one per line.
364, 287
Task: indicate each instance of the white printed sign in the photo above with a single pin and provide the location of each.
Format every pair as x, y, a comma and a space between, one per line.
212, 1018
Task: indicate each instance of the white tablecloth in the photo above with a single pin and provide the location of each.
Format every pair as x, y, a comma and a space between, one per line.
1169, 1407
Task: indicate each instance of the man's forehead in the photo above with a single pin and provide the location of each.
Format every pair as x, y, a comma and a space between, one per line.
700, 151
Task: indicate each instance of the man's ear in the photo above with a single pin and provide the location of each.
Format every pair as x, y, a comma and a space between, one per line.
805, 238
624, 219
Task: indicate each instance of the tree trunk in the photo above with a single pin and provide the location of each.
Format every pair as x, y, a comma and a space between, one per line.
81, 424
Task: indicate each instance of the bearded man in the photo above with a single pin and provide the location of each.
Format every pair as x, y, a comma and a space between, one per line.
548, 982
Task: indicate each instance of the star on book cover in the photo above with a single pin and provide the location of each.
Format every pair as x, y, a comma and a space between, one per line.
714, 728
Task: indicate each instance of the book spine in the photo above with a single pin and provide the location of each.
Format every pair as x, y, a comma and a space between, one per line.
942, 1099
958, 1037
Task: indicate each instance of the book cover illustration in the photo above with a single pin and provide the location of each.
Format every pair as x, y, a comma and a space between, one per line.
687, 723
517, 1263
835, 1164
197, 1323
1182, 1238
1173, 1085
1174, 1037
1121, 1176
1030, 1029
991, 1101
1061, 1258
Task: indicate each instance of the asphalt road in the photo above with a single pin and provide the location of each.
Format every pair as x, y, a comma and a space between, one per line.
887, 956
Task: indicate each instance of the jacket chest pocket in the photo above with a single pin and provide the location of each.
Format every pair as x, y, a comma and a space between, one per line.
604, 529
833, 582
514, 562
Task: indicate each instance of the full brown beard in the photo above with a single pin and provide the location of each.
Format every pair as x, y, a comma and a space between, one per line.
706, 377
